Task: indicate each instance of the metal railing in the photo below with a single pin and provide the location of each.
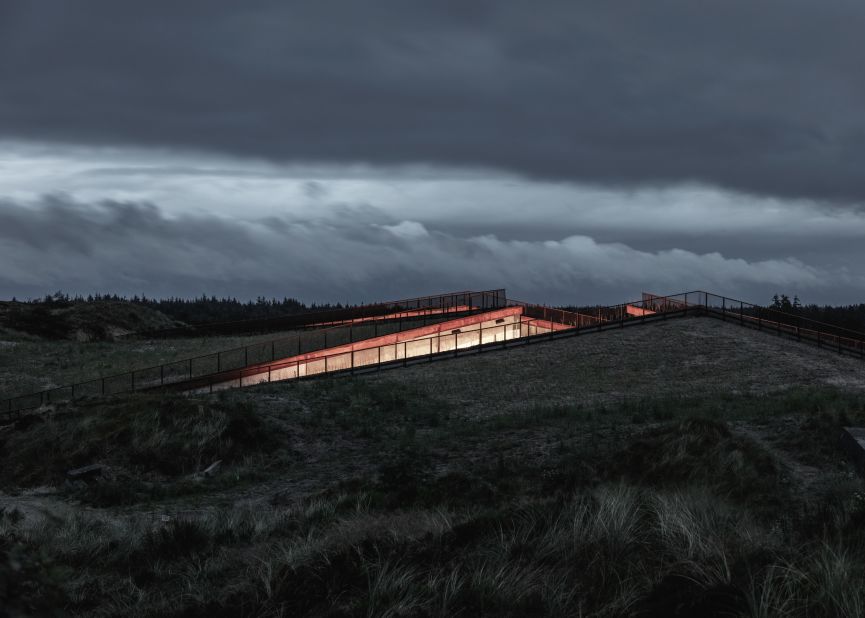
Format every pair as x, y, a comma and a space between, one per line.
447, 307
788, 323
439, 345
553, 314
536, 324
216, 365
327, 317
260, 362
648, 305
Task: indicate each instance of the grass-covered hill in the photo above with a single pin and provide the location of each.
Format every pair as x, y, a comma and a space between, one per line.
96, 321
563, 479
106, 317
345, 499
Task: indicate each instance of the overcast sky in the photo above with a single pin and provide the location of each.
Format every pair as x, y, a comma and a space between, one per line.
573, 152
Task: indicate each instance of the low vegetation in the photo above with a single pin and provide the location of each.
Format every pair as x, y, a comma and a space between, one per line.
377, 499
146, 446
31, 364
106, 316
95, 321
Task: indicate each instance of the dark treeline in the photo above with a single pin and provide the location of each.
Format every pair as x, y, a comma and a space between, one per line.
213, 309
846, 316
196, 310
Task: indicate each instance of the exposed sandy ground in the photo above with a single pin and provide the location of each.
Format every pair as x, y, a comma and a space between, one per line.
680, 357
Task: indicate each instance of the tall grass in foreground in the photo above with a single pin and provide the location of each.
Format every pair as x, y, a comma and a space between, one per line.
612, 551
687, 517
615, 551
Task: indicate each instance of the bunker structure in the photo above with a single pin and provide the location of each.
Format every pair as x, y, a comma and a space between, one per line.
356, 340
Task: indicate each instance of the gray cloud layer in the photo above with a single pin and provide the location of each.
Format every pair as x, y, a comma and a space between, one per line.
765, 97
363, 255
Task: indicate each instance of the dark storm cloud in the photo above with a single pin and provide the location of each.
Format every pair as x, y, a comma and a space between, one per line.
764, 97
361, 255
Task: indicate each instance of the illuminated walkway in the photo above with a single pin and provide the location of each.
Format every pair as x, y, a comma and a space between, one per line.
500, 325
401, 332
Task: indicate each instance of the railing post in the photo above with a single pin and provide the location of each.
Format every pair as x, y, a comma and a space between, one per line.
218, 362
161, 375
190, 368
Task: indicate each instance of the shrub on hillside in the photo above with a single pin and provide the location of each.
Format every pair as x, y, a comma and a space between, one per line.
28, 583
702, 451
163, 435
37, 319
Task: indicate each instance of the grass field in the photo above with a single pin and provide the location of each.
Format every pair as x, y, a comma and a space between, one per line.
572, 478
29, 364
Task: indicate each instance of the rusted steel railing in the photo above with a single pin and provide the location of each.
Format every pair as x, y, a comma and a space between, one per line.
280, 359
409, 314
333, 317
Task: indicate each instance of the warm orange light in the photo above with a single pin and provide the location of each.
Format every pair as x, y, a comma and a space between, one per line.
460, 333
638, 311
